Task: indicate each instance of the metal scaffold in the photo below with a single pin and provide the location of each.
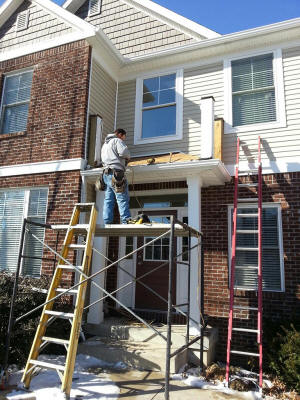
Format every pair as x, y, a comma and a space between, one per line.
83, 237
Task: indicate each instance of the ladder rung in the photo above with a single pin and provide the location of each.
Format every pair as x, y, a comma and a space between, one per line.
47, 365
182, 263
247, 231
85, 206
248, 200
65, 266
79, 227
248, 184
245, 308
247, 248
62, 290
245, 330
55, 340
246, 267
247, 215
60, 314
244, 353
77, 246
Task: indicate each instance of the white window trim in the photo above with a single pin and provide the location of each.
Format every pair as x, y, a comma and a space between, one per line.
26, 21
280, 242
90, 14
279, 94
18, 72
138, 109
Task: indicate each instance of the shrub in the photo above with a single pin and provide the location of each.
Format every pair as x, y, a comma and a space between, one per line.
23, 331
282, 353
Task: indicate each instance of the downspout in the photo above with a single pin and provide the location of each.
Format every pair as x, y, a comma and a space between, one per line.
87, 113
116, 106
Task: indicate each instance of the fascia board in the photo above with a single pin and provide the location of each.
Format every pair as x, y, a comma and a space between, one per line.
8, 8
72, 5
67, 17
179, 22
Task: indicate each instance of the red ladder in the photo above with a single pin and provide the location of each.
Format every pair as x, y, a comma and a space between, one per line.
235, 232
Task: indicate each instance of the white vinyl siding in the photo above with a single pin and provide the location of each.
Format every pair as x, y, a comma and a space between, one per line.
15, 102
253, 90
15, 205
247, 260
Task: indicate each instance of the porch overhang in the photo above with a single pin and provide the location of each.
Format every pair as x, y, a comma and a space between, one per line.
212, 172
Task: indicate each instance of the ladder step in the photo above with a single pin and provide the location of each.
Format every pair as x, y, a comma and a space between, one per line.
182, 263
84, 206
245, 330
62, 290
76, 246
247, 231
47, 365
65, 266
55, 340
244, 353
60, 314
245, 308
79, 227
248, 184
247, 248
248, 200
247, 215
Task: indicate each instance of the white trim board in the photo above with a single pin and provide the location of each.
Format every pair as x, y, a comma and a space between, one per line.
268, 167
42, 167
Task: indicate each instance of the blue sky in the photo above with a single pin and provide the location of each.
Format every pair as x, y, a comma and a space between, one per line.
226, 16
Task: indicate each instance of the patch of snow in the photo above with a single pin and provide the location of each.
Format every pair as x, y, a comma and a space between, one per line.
46, 385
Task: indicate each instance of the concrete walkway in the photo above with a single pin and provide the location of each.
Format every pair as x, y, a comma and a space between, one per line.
144, 385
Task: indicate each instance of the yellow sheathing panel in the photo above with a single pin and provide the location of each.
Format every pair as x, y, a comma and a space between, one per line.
278, 142
133, 32
41, 26
103, 97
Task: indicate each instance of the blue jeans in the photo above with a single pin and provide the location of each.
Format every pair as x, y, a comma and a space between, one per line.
110, 200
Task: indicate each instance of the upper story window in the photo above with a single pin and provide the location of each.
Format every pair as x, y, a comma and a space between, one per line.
15, 102
22, 21
247, 243
254, 92
158, 114
94, 7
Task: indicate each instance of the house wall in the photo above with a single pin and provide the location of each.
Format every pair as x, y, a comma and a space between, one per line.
103, 97
58, 105
133, 32
41, 26
63, 193
277, 188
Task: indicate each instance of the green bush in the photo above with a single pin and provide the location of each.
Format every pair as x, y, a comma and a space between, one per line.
24, 331
282, 353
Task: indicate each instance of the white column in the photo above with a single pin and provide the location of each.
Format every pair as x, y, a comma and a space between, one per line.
95, 314
207, 126
194, 220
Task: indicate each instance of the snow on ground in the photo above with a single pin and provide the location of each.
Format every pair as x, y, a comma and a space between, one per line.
46, 385
192, 378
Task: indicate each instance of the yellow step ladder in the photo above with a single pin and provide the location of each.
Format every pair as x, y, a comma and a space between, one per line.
65, 372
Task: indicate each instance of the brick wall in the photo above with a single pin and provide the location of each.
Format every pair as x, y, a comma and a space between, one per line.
64, 192
58, 106
279, 188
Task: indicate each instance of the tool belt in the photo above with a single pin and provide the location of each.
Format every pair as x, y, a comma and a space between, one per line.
118, 181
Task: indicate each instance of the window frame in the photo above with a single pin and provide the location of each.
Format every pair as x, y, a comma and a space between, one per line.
279, 93
139, 108
26, 204
280, 243
91, 14
14, 73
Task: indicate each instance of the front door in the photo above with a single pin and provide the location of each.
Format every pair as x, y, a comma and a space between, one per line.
149, 258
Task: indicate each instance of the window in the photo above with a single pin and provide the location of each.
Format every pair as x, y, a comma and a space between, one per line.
246, 256
14, 206
129, 247
159, 250
159, 102
15, 102
255, 93
94, 7
22, 21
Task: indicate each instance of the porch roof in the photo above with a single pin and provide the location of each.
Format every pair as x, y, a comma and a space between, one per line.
171, 167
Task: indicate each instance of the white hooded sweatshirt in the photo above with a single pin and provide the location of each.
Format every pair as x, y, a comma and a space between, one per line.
114, 153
